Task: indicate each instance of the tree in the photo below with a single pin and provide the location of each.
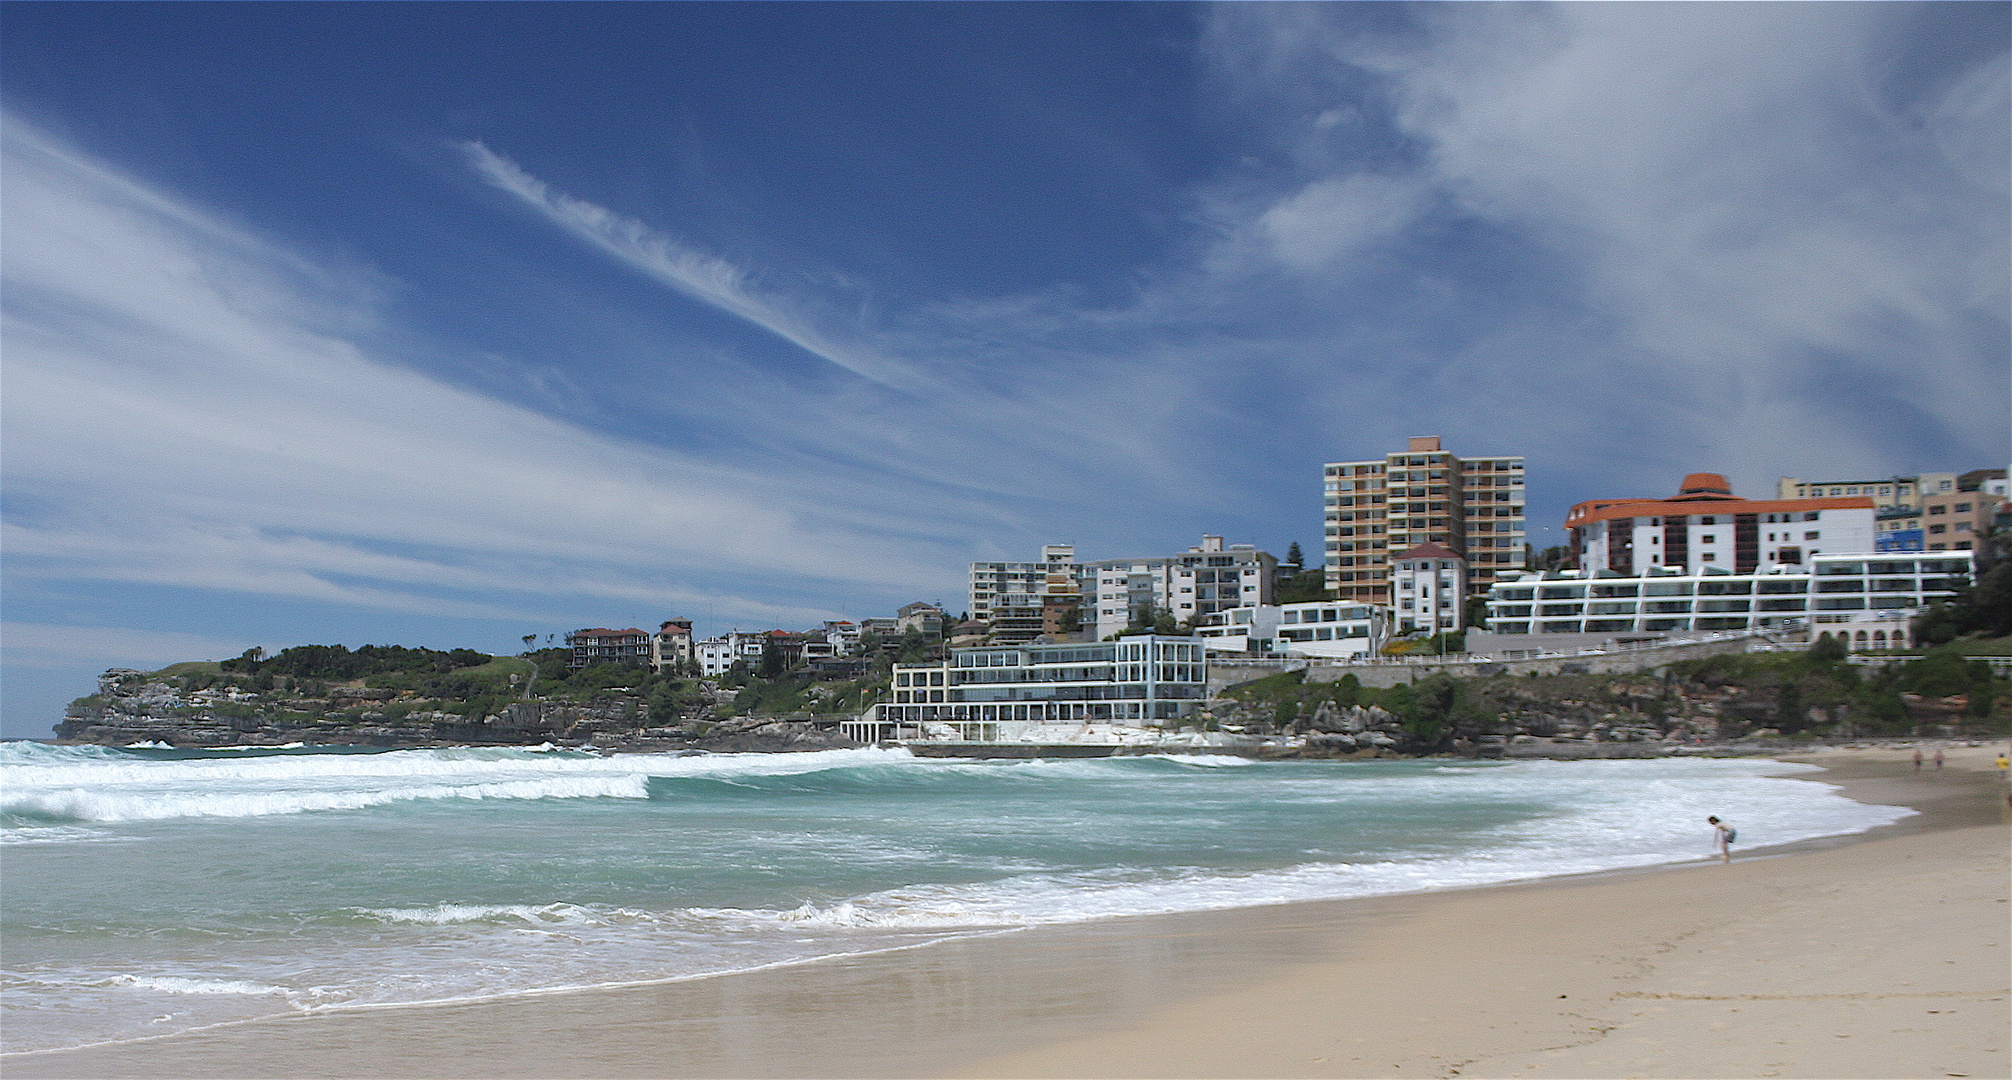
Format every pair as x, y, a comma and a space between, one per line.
1826, 650
1553, 558
1072, 619
1789, 713
1163, 623
1302, 586
1981, 608
1293, 558
771, 660
914, 647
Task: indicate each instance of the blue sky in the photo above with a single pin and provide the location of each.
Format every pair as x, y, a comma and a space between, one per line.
444, 324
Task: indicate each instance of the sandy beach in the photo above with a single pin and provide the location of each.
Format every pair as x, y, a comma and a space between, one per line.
1876, 956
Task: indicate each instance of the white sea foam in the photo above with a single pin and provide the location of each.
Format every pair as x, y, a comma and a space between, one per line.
81, 804
58, 834
63, 783
175, 984
542, 915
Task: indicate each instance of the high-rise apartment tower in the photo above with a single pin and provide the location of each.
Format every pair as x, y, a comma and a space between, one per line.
1378, 509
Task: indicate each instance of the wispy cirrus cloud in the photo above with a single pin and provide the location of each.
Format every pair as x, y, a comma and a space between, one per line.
706, 278
189, 405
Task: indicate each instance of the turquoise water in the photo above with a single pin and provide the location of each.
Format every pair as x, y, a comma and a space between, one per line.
148, 892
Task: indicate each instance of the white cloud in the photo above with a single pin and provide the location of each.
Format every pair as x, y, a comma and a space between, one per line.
58, 646
1751, 260
189, 405
1337, 216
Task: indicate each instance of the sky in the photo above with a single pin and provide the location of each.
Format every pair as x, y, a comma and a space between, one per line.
443, 324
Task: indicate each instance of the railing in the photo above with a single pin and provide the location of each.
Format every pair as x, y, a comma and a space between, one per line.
1548, 654
2001, 666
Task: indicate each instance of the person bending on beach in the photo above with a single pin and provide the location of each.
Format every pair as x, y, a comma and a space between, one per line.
1722, 835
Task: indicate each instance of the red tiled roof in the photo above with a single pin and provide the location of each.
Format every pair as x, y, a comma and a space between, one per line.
1586, 513
1427, 550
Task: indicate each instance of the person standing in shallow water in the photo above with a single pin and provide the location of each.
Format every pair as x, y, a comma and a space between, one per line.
1722, 835
1938, 759
1917, 759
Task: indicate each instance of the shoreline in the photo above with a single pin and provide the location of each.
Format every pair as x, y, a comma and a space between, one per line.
1180, 994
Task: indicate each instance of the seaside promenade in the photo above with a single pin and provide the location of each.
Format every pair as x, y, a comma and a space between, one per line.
1877, 956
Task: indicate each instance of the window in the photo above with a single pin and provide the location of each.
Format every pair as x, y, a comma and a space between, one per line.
1708, 538
1812, 536
1938, 528
1938, 509
1962, 508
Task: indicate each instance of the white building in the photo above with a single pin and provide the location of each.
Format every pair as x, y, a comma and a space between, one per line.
1430, 583
1207, 578
1023, 601
715, 655
1598, 608
1319, 628
1706, 526
1138, 681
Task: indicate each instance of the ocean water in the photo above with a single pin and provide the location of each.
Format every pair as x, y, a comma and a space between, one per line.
148, 892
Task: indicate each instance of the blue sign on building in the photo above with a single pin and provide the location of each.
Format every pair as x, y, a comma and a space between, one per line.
1903, 540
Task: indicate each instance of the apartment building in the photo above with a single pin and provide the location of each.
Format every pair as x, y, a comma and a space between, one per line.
1205, 579
1957, 519
715, 655
600, 645
1380, 508
1140, 680
1024, 600
1599, 608
1705, 526
671, 645
1430, 583
1919, 513
1317, 628
1886, 493
922, 617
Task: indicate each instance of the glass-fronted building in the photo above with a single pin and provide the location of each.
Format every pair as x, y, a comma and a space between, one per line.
1141, 681
1827, 589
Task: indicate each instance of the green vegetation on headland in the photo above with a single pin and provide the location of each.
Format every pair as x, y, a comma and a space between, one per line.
392, 695
1792, 695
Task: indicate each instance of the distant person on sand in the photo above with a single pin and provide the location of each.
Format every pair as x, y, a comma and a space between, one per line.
1917, 759
1722, 835
1938, 759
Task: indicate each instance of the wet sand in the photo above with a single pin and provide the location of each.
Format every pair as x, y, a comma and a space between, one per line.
1881, 957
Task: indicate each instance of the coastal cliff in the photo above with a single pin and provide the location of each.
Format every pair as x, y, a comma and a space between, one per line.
201, 705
